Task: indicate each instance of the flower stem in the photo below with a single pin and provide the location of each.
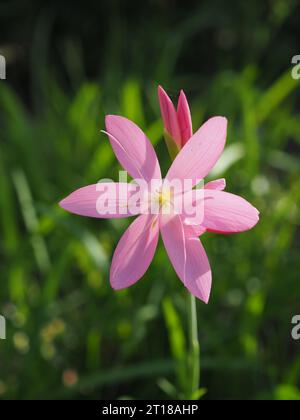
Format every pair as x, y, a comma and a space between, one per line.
194, 348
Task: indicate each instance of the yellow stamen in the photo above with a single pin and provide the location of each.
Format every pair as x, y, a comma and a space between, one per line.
163, 198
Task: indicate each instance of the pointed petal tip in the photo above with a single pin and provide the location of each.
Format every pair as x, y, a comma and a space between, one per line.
110, 117
221, 119
114, 285
113, 118
183, 105
206, 299
257, 216
255, 220
113, 280
218, 184
206, 291
160, 89
63, 203
108, 120
182, 95
223, 182
218, 119
67, 205
118, 285
162, 95
204, 295
225, 121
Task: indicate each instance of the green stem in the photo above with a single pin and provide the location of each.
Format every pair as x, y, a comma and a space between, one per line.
194, 347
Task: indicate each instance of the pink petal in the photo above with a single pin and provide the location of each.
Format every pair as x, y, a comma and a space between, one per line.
184, 119
103, 200
132, 148
187, 256
228, 213
169, 116
199, 230
201, 152
134, 252
218, 184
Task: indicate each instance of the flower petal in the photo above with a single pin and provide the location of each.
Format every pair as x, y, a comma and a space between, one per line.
201, 152
187, 256
199, 230
134, 252
218, 184
228, 213
132, 148
169, 116
184, 119
105, 200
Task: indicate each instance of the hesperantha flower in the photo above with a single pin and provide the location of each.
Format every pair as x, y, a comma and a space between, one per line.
177, 122
171, 206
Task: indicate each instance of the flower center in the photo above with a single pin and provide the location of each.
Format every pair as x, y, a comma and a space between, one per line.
162, 199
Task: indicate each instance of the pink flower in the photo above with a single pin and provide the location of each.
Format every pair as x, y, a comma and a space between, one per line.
177, 122
223, 212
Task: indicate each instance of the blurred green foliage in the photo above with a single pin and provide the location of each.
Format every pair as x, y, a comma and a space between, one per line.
68, 334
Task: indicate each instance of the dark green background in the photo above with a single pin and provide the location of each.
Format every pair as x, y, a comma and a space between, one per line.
68, 64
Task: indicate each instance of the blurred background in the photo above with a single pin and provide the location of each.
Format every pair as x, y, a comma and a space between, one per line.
69, 335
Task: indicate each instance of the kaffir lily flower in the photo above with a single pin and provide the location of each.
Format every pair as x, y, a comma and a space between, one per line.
222, 212
177, 122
